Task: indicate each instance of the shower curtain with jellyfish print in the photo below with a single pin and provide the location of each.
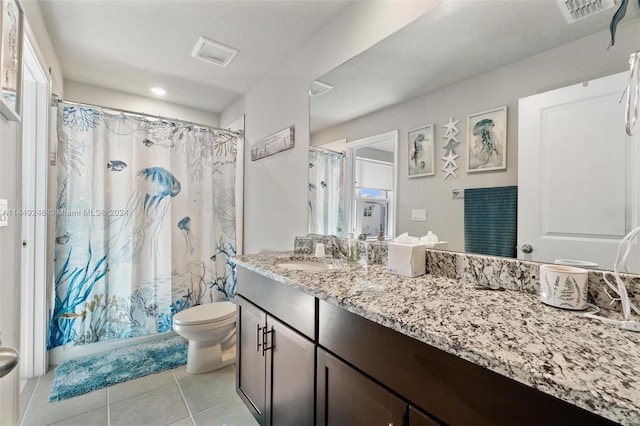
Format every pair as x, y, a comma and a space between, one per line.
145, 223
326, 192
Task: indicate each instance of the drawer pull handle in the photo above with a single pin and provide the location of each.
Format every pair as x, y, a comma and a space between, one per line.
258, 344
266, 348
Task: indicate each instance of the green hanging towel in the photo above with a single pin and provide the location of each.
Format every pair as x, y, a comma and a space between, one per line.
491, 221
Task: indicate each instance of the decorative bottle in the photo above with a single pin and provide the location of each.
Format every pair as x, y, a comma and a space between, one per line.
352, 248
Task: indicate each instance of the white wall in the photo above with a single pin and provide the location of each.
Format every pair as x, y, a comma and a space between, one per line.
575, 62
81, 92
9, 265
275, 195
36, 30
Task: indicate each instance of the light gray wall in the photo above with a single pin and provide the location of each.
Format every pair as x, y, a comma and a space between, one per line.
375, 154
36, 32
275, 193
81, 92
575, 62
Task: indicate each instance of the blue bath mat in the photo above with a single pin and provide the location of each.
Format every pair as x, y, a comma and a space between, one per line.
82, 375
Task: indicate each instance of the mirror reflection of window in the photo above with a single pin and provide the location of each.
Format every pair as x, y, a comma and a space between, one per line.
373, 195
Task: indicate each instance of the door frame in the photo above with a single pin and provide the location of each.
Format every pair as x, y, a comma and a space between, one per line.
34, 294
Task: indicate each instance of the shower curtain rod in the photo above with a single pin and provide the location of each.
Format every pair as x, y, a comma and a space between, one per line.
330, 150
55, 100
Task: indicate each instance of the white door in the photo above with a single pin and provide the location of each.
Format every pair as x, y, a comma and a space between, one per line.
33, 316
577, 174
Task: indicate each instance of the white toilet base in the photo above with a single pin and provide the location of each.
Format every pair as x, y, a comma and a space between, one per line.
204, 357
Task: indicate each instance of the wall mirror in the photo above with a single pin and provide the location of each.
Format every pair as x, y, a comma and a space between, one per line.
451, 65
371, 186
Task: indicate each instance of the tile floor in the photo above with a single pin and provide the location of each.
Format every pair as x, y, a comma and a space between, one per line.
169, 398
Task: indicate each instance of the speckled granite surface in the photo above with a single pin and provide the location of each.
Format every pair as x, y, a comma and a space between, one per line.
586, 363
490, 271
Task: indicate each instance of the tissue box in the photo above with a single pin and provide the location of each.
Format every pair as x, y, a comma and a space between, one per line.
440, 245
407, 259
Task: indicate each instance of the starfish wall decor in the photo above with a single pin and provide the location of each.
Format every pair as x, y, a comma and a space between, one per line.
450, 154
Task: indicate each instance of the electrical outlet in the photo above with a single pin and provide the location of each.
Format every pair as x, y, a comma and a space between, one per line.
4, 215
419, 215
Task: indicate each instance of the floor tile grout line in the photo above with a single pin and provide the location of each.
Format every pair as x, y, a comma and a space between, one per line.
26, 411
183, 398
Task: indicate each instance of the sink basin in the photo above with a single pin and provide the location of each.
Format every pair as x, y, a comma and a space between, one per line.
309, 265
8, 360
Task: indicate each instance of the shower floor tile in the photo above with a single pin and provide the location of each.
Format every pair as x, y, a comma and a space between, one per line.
168, 398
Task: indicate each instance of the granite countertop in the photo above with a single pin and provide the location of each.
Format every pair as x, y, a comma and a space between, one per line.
584, 362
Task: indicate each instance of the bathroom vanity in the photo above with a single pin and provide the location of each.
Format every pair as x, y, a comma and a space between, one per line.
356, 345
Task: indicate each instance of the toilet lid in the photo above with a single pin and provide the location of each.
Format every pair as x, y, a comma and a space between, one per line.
204, 314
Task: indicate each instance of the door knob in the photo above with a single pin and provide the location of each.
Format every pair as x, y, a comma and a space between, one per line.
527, 248
8, 359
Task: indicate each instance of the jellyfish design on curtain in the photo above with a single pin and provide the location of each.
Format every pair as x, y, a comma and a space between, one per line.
145, 223
326, 192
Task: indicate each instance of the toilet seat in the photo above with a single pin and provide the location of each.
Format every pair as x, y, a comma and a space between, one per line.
205, 314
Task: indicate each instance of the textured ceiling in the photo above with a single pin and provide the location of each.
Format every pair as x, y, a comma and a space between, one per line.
454, 41
133, 45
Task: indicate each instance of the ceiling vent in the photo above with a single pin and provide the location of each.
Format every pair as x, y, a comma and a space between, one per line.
213, 52
317, 88
576, 10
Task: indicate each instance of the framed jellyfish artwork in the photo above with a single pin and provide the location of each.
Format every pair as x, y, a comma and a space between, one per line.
487, 140
11, 59
420, 144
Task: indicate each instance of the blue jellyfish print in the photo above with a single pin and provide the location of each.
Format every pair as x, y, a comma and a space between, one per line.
147, 207
185, 226
158, 184
487, 150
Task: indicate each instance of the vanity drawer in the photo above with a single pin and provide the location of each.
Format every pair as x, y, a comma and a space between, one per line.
449, 388
291, 306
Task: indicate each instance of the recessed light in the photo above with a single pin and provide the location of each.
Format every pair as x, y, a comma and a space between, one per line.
158, 91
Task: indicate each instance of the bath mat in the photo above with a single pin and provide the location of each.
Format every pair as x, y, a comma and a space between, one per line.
82, 375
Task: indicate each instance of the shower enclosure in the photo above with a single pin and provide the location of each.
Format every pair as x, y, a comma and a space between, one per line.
145, 222
326, 192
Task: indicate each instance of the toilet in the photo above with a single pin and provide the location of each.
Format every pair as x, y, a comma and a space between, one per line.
211, 332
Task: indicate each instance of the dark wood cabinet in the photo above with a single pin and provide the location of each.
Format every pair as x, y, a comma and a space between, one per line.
251, 365
275, 371
346, 397
303, 361
416, 418
290, 376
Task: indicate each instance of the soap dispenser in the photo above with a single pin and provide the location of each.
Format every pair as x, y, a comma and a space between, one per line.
352, 248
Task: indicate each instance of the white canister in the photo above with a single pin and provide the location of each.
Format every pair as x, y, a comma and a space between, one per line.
563, 286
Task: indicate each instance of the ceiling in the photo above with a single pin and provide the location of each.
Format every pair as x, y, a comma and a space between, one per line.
455, 41
132, 46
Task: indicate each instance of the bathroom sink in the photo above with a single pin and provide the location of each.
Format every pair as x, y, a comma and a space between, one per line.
8, 360
309, 265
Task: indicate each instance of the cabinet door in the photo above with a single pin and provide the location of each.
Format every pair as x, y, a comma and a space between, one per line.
250, 368
347, 397
416, 418
290, 376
